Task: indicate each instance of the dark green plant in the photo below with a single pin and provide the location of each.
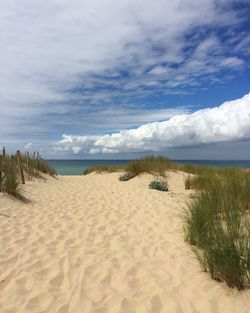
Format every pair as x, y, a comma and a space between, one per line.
161, 185
127, 176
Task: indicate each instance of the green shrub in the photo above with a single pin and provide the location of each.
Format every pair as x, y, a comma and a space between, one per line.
127, 176
217, 223
161, 185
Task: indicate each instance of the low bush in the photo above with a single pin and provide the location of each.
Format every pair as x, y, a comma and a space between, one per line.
127, 176
161, 185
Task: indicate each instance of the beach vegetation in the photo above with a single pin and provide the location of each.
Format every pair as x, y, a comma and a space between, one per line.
11, 182
150, 164
15, 169
217, 225
105, 168
159, 184
127, 176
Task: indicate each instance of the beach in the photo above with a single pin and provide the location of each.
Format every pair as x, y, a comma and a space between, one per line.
93, 244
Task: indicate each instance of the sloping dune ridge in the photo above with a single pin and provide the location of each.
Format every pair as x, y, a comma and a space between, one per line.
92, 244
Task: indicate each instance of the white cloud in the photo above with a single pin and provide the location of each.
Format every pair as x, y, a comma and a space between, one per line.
61, 61
29, 145
76, 150
226, 123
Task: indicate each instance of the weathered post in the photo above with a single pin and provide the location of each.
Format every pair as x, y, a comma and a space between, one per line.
37, 156
12, 163
1, 171
28, 164
20, 166
34, 163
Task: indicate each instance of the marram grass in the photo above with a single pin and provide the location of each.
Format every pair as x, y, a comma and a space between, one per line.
217, 225
150, 164
31, 166
10, 182
216, 219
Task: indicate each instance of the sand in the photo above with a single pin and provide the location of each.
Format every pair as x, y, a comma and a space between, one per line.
94, 244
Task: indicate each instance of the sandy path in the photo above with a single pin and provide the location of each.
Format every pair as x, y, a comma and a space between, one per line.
94, 244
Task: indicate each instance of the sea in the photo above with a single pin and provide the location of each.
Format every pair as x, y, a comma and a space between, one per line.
77, 167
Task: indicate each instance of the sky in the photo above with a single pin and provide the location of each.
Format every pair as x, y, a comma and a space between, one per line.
107, 79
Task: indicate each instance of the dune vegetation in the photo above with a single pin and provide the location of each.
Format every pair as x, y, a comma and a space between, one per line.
217, 224
149, 164
18, 168
216, 218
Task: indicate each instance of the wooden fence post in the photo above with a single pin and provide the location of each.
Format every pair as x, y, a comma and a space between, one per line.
20, 166
12, 163
28, 165
37, 155
34, 160
1, 171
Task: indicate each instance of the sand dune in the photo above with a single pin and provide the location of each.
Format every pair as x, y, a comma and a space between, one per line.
94, 244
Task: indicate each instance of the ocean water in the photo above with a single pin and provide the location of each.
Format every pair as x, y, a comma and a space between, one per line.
77, 167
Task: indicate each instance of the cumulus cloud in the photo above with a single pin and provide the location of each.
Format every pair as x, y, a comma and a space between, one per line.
29, 145
101, 66
226, 123
55, 54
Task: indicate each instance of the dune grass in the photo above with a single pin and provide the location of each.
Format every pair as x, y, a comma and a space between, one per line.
11, 182
216, 219
197, 182
106, 168
217, 224
149, 164
31, 166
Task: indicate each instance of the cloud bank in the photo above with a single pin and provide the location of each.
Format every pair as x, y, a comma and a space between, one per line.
226, 123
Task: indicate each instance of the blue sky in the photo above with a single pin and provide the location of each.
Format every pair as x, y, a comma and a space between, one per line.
120, 79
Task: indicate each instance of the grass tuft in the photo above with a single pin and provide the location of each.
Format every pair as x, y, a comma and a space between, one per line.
109, 168
10, 183
149, 164
217, 224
